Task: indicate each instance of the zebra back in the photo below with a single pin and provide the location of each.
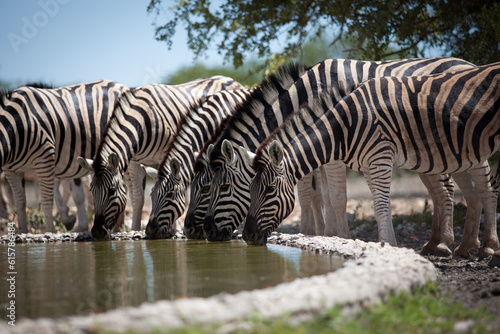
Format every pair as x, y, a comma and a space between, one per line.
285, 92
68, 119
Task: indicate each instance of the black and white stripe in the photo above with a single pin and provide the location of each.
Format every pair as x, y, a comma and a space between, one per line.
258, 118
46, 129
176, 169
142, 126
436, 124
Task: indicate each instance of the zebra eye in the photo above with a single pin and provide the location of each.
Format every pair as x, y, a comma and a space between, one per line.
224, 187
111, 191
271, 188
205, 189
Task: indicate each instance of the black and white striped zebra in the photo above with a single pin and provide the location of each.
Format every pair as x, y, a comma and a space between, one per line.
176, 169
229, 194
436, 124
142, 126
45, 130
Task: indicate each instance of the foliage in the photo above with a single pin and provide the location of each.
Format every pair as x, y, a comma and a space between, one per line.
246, 75
36, 221
374, 29
252, 72
425, 311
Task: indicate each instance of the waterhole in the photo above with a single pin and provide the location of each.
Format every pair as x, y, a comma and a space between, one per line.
63, 279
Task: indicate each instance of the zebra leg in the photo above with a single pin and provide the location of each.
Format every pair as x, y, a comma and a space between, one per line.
488, 195
16, 181
317, 203
305, 197
336, 195
78, 195
470, 239
46, 182
379, 181
440, 188
62, 208
137, 176
4, 212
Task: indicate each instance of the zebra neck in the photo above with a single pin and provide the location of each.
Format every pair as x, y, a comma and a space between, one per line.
198, 126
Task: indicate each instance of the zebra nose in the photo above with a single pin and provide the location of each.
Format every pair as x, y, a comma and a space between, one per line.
192, 230
251, 233
209, 229
99, 232
152, 228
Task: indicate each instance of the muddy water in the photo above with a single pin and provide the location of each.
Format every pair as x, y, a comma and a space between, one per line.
62, 279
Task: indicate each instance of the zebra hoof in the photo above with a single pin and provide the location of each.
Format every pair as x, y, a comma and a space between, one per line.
70, 222
441, 250
495, 259
484, 252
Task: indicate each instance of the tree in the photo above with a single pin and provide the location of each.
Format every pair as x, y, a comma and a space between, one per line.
376, 29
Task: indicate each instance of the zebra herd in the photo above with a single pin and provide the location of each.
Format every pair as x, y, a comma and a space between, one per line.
242, 151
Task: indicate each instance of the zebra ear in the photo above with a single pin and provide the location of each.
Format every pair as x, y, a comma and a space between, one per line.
175, 167
248, 156
228, 151
209, 149
276, 153
151, 172
86, 163
113, 162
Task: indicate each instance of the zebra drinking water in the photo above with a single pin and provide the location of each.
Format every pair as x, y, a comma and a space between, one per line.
141, 127
255, 120
436, 124
176, 169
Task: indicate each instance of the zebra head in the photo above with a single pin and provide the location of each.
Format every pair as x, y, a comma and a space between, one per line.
168, 200
110, 195
200, 197
229, 194
272, 196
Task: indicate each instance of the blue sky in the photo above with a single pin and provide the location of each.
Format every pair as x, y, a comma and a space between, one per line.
63, 42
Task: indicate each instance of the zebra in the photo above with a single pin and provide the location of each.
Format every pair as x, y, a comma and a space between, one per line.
229, 193
437, 124
176, 169
45, 129
141, 127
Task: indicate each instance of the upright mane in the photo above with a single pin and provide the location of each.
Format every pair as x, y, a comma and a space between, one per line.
198, 164
268, 89
183, 120
294, 124
121, 107
40, 85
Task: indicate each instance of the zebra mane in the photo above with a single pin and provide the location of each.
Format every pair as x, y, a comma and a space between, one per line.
40, 85
269, 88
5, 96
116, 118
182, 122
198, 164
294, 124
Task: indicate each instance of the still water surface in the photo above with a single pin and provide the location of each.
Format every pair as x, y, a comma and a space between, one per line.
62, 279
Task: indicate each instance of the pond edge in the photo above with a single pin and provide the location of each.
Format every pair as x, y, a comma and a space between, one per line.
371, 273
